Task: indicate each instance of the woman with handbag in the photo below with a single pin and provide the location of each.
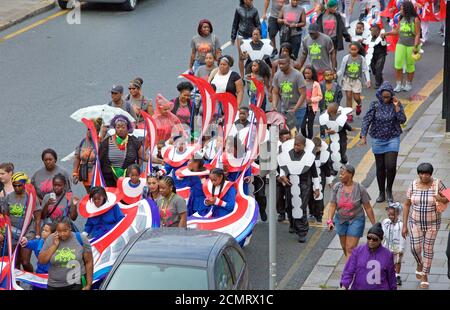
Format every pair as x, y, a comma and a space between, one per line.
423, 207
84, 161
293, 19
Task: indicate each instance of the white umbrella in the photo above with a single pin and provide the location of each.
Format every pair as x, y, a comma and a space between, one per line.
104, 111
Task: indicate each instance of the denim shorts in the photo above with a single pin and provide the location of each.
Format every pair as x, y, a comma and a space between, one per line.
353, 228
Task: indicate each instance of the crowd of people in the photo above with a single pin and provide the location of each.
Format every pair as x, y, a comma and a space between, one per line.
300, 81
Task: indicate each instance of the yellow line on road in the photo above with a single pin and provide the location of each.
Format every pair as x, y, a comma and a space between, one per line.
411, 107
294, 267
38, 23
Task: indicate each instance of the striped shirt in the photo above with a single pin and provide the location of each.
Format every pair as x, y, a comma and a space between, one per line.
116, 156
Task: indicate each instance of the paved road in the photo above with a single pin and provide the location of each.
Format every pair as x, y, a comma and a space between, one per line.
55, 68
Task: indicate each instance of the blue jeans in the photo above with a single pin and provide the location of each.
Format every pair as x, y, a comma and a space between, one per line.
300, 116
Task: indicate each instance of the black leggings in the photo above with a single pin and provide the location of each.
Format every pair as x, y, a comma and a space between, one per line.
386, 165
307, 127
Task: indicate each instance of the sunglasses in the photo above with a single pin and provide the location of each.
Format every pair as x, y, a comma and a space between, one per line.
372, 239
18, 185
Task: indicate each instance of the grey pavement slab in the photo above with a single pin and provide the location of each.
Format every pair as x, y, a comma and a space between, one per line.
319, 276
424, 142
330, 257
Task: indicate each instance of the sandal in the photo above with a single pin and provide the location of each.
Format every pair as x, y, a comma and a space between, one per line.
419, 275
424, 285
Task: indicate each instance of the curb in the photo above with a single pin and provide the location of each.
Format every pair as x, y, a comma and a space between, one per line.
327, 265
20, 17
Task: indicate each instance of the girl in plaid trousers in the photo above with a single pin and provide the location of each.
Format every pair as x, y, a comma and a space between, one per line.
423, 219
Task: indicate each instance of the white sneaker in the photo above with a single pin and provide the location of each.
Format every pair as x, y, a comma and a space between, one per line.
398, 88
407, 87
443, 43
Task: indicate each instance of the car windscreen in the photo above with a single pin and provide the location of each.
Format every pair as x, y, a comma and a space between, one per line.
135, 276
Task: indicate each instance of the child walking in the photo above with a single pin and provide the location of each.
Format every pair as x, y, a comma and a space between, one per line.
377, 51
313, 97
37, 244
338, 152
352, 68
331, 92
393, 240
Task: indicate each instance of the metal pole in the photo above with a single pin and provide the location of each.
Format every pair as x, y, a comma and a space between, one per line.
446, 90
272, 207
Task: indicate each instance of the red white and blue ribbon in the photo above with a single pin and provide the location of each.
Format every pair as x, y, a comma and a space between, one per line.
150, 138
260, 93
240, 222
208, 100
230, 109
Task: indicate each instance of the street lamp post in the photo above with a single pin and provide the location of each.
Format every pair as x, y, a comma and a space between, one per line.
272, 207
446, 90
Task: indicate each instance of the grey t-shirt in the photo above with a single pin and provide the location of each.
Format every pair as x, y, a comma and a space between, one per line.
276, 7
204, 45
57, 210
141, 103
293, 15
318, 51
349, 206
353, 67
169, 211
288, 86
62, 262
127, 107
329, 25
203, 72
43, 180
407, 34
16, 209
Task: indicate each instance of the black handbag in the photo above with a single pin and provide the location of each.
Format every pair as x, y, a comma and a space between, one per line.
285, 33
83, 173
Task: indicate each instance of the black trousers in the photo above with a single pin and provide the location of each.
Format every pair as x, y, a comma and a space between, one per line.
308, 123
300, 225
260, 192
343, 148
295, 41
281, 198
377, 66
316, 207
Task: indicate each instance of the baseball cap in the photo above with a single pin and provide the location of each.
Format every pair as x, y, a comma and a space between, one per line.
332, 3
313, 28
117, 89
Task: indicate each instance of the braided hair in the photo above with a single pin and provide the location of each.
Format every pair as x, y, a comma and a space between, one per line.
169, 181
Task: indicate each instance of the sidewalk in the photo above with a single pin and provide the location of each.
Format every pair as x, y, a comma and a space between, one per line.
425, 142
13, 12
